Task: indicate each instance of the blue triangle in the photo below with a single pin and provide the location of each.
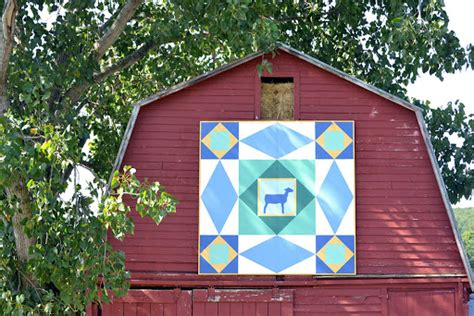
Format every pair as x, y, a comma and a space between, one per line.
232, 127
347, 127
348, 241
348, 267
205, 240
321, 127
321, 153
205, 267
347, 153
207, 127
206, 153
321, 241
233, 153
232, 267
321, 267
233, 241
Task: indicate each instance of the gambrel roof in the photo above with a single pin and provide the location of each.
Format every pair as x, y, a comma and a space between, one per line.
313, 61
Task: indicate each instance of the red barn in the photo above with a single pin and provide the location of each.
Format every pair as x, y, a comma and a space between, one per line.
410, 258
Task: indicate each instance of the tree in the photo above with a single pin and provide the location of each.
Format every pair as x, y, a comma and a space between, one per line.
465, 220
454, 158
70, 70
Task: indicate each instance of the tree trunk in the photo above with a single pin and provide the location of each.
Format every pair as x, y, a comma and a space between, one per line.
18, 189
23, 243
7, 27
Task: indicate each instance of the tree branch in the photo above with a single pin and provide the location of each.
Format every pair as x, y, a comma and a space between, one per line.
125, 62
100, 48
112, 34
103, 44
77, 90
7, 29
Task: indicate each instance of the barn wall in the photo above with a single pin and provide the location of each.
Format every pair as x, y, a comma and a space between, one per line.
402, 226
384, 297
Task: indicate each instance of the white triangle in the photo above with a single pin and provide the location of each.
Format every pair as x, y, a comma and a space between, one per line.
307, 266
322, 224
247, 266
249, 241
231, 167
347, 226
206, 225
248, 152
231, 226
304, 128
307, 242
249, 128
321, 169
206, 169
346, 167
306, 152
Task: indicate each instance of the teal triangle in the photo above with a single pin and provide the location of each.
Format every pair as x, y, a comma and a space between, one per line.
250, 170
304, 223
304, 196
249, 197
250, 223
304, 169
277, 170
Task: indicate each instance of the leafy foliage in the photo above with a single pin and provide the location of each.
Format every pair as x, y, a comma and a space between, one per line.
465, 221
71, 255
70, 86
454, 158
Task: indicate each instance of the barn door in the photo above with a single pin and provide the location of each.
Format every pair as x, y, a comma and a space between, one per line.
150, 302
427, 302
243, 302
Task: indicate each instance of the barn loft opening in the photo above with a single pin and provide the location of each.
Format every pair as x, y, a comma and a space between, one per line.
277, 100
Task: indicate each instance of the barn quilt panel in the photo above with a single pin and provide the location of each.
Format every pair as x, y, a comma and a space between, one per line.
277, 197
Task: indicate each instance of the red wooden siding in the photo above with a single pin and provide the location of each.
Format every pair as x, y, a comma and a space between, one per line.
422, 302
349, 297
333, 301
150, 302
402, 226
242, 302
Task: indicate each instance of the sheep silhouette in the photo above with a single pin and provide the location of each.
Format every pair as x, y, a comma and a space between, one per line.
277, 199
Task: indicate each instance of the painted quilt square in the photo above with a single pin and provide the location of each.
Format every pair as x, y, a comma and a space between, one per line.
218, 254
335, 254
334, 140
219, 140
277, 198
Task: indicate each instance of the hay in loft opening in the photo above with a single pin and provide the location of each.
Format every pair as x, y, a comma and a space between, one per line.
277, 99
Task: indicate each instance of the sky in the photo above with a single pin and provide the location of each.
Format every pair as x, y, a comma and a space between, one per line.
454, 86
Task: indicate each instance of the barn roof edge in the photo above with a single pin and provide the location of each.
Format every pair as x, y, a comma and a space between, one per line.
292, 51
445, 198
